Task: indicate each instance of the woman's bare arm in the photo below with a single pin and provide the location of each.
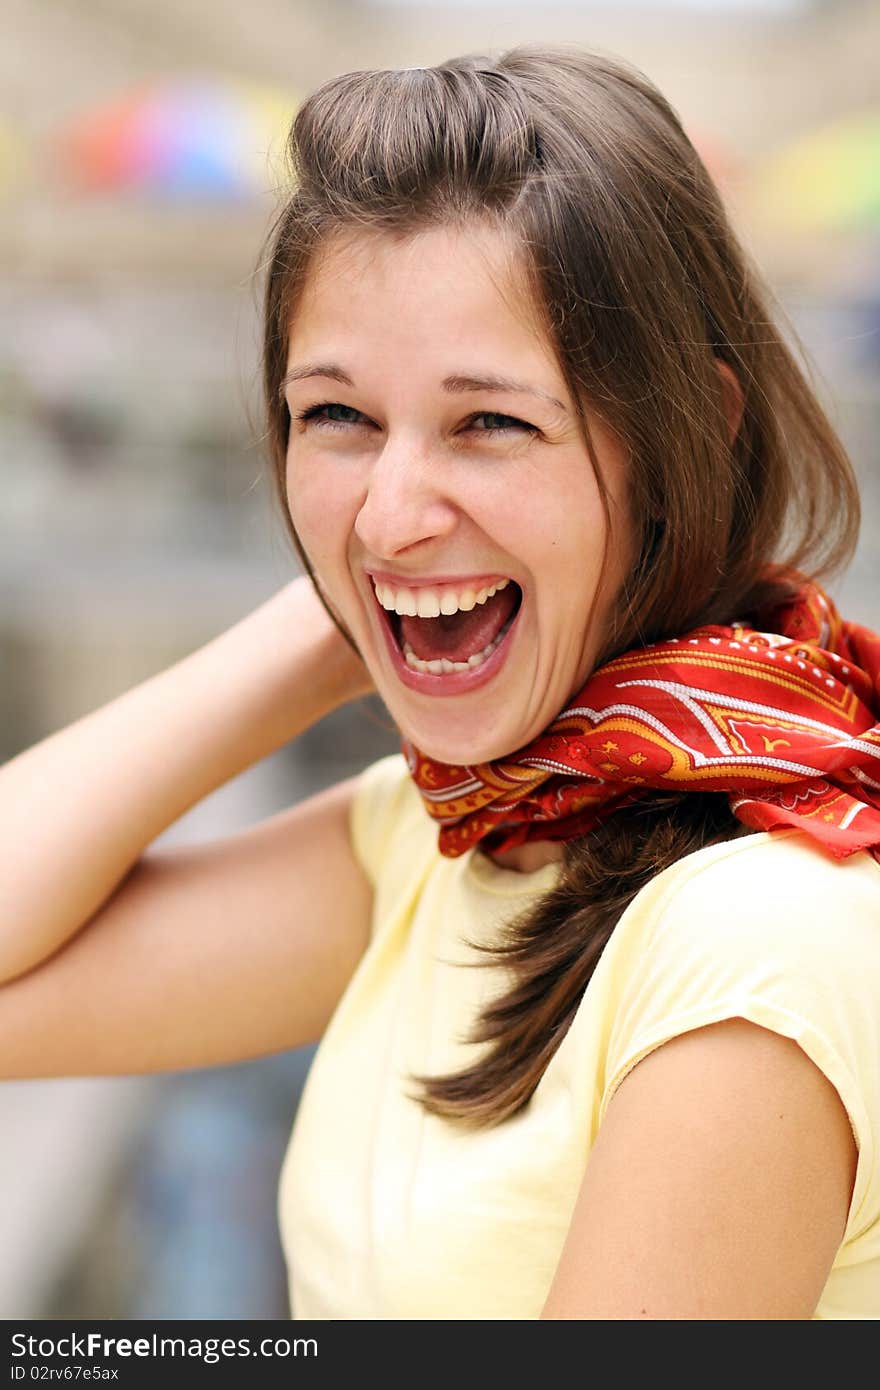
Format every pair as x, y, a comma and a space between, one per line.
205, 954
118, 957
718, 1187
78, 809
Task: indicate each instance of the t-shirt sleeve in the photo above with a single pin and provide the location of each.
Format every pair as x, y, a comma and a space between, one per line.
382, 797
393, 838
775, 932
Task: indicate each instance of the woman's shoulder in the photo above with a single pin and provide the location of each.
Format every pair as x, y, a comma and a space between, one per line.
765, 927
767, 915
764, 887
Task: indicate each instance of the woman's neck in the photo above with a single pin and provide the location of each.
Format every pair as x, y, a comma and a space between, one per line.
524, 859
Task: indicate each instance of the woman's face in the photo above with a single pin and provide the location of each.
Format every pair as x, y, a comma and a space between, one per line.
414, 485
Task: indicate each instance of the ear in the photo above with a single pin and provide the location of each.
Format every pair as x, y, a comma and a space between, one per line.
734, 401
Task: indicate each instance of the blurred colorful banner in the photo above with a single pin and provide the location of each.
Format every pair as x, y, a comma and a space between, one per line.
196, 138
827, 180
723, 164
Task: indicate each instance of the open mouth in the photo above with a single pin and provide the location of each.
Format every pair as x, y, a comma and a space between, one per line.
459, 641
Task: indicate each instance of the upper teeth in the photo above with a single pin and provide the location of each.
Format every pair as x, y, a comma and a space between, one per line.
430, 603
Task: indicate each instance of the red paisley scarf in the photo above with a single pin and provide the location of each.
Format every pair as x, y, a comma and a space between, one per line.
783, 717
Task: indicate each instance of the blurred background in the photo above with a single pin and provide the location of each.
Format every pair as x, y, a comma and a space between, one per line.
139, 144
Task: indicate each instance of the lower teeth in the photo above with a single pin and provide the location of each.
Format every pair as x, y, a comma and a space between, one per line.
444, 667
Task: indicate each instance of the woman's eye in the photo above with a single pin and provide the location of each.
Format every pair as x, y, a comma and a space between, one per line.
317, 413
514, 424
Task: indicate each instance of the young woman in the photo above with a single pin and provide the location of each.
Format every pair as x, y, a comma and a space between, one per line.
595, 960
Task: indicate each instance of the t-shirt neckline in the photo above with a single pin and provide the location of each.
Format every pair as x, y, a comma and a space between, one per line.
492, 877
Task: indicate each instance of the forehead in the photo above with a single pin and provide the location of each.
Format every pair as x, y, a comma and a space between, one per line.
464, 282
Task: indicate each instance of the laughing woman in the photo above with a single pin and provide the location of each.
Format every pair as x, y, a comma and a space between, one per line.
595, 959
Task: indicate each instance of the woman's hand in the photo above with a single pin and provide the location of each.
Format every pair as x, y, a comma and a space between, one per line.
343, 662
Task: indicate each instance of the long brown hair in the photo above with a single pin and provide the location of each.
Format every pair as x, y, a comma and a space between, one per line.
639, 283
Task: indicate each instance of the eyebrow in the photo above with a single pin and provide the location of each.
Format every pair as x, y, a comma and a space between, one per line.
455, 384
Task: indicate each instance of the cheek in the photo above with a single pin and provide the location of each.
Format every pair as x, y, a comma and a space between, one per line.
553, 523
318, 505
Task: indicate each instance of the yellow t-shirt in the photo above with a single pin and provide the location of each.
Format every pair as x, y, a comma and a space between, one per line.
388, 1212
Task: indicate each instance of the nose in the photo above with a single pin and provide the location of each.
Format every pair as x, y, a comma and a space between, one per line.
404, 504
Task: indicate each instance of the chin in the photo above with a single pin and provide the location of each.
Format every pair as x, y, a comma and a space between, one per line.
459, 753
467, 746
458, 757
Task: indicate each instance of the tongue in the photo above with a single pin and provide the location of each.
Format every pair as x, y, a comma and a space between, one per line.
460, 635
